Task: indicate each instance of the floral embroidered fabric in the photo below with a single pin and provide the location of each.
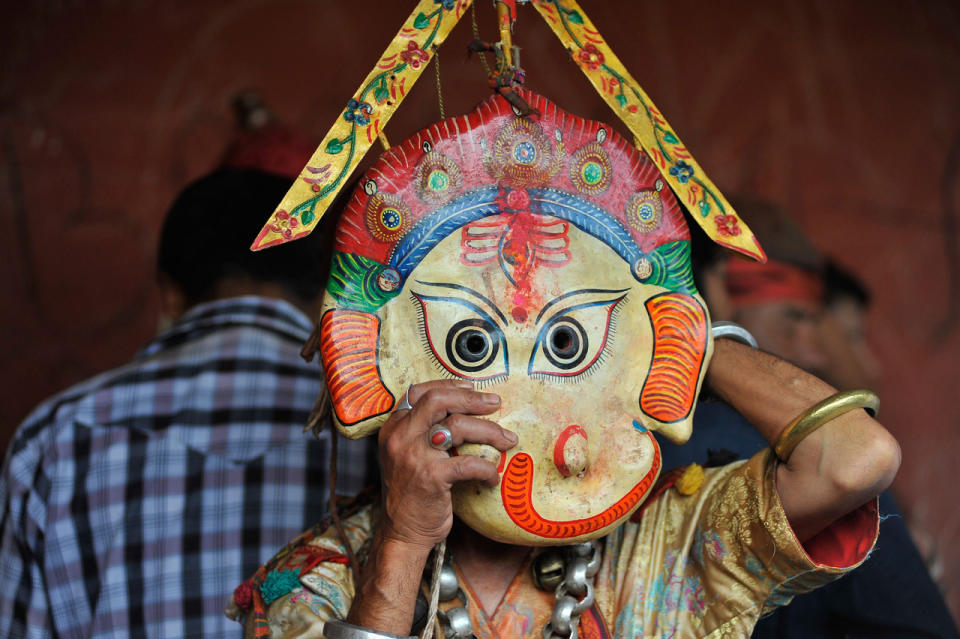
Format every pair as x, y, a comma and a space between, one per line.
704, 565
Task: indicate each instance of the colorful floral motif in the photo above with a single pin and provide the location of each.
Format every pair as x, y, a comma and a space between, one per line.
644, 211
437, 178
591, 56
727, 225
388, 217
358, 112
682, 171
414, 55
590, 169
707, 545
523, 156
284, 224
677, 591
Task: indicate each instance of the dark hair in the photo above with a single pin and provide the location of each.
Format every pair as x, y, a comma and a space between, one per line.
208, 231
839, 283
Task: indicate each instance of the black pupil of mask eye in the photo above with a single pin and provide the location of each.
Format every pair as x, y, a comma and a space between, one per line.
566, 344
472, 345
564, 341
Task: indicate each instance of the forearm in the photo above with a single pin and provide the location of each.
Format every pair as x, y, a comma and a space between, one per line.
766, 390
387, 593
832, 471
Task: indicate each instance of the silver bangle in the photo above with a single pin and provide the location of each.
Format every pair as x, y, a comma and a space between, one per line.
729, 330
337, 629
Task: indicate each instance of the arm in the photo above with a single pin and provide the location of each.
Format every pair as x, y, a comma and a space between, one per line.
418, 510
832, 472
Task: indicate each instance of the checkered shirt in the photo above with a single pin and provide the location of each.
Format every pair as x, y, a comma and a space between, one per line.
135, 502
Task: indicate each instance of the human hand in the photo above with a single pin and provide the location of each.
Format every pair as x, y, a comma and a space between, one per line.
417, 477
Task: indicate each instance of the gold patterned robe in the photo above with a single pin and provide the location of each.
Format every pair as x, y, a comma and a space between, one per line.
704, 565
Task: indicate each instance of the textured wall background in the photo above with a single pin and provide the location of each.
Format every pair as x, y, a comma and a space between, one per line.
847, 112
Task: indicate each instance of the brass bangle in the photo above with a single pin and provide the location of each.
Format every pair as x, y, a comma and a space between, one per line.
821, 413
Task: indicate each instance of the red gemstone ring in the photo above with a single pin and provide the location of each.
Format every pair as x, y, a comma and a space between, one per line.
440, 437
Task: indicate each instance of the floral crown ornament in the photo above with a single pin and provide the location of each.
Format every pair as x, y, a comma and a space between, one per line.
405, 59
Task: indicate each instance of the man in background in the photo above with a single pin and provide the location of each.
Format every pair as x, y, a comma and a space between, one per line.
134, 502
796, 308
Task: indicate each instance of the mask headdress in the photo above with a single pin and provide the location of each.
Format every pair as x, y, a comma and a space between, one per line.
522, 248
367, 113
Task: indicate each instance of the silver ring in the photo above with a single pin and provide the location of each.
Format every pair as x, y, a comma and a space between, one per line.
405, 402
440, 437
737, 333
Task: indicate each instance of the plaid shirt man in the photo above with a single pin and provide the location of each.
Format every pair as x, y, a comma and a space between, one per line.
135, 502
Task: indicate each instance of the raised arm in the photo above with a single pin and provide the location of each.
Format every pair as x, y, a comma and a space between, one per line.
834, 470
418, 511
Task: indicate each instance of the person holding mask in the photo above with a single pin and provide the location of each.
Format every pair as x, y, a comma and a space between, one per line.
802, 308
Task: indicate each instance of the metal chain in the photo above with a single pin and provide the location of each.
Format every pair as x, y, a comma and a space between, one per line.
476, 36
436, 68
574, 595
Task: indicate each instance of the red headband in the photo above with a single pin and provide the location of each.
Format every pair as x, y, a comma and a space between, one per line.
750, 282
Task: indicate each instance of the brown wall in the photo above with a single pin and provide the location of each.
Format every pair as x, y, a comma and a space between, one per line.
846, 112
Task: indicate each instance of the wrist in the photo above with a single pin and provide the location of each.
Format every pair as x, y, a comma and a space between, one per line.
387, 593
400, 551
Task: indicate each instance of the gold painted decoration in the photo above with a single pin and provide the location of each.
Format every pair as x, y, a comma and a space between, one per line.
654, 134
362, 122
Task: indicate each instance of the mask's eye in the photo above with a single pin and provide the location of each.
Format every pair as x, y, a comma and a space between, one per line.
472, 344
573, 340
464, 340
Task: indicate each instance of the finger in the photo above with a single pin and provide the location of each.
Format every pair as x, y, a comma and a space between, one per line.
467, 468
434, 405
416, 391
474, 430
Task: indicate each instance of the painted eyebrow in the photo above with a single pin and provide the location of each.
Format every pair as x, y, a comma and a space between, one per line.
582, 291
466, 289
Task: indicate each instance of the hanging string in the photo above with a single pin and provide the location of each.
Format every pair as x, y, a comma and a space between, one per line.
354, 564
476, 36
436, 68
439, 551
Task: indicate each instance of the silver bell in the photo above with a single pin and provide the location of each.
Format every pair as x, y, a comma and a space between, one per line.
458, 624
448, 583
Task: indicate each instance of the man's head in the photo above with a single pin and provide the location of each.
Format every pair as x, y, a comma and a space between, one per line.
204, 250
779, 302
846, 300
541, 258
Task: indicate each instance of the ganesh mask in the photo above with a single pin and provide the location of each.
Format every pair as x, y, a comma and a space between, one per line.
544, 259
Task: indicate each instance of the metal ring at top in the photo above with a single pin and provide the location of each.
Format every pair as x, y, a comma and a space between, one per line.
730, 330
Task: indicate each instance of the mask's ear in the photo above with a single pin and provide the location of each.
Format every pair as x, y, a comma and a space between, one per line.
348, 345
678, 363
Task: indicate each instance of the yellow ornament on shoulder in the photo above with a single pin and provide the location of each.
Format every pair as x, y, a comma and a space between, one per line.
691, 480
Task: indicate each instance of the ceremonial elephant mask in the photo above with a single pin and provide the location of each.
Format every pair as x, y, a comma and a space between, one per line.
544, 259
